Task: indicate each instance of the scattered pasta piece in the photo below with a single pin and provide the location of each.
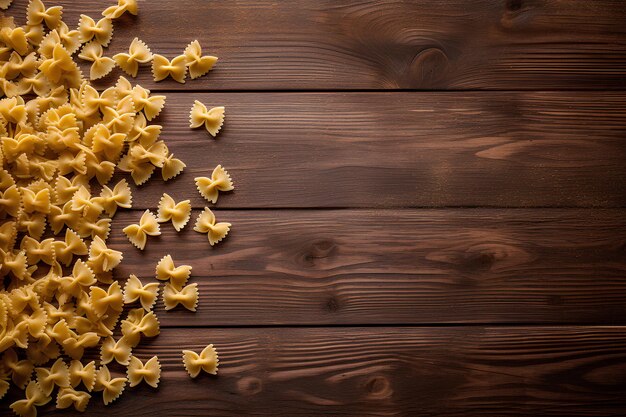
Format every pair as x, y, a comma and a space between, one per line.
163, 68
139, 371
206, 361
138, 53
115, 350
4, 4
146, 294
138, 233
36, 13
177, 275
102, 65
102, 31
85, 374
123, 6
57, 375
198, 65
206, 223
171, 167
178, 213
187, 297
139, 322
209, 187
34, 397
211, 119
69, 397
111, 387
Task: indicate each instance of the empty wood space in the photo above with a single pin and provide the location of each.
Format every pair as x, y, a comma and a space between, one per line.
429, 214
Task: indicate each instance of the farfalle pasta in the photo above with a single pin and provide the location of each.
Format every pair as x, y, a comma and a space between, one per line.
111, 387
197, 63
176, 275
206, 223
101, 65
122, 6
138, 53
209, 188
186, 296
138, 233
100, 31
212, 119
163, 68
62, 140
206, 361
170, 210
135, 290
138, 371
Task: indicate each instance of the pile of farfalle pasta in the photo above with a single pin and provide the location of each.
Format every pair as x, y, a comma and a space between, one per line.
61, 143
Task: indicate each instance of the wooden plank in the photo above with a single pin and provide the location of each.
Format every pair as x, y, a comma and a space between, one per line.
404, 149
320, 267
426, 44
475, 371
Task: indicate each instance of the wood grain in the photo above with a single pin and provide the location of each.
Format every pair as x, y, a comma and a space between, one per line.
520, 149
425, 44
321, 267
475, 371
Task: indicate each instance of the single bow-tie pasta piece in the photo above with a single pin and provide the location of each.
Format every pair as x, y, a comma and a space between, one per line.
171, 167
150, 372
122, 6
187, 296
102, 31
139, 322
82, 373
206, 361
119, 196
138, 53
179, 213
198, 65
34, 398
211, 119
177, 275
209, 187
36, 13
111, 350
102, 258
206, 223
101, 65
69, 397
163, 68
146, 294
111, 387
138, 233
57, 375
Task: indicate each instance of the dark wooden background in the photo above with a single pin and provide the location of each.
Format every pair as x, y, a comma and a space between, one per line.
430, 209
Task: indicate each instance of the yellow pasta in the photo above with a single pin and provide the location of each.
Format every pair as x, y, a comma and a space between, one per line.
101, 65
57, 375
34, 398
187, 296
150, 372
123, 6
37, 13
211, 119
206, 361
62, 141
206, 223
118, 350
85, 374
111, 387
69, 397
138, 233
4, 4
146, 294
178, 213
102, 31
209, 187
176, 275
197, 63
163, 68
138, 53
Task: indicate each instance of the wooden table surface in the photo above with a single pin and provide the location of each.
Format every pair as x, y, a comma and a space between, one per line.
430, 214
